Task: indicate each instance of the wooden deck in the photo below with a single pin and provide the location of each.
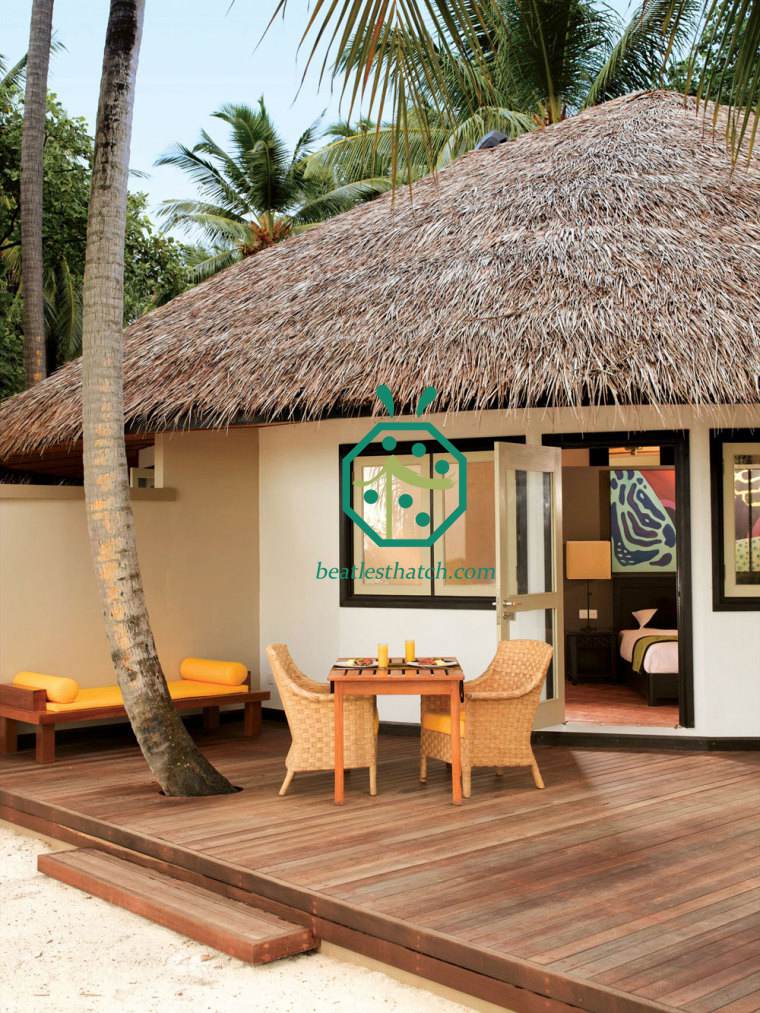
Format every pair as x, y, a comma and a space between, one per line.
632, 882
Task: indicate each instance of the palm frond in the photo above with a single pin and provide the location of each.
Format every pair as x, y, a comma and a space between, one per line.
340, 199
210, 181
466, 134
213, 262
215, 223
638, 58
11, 79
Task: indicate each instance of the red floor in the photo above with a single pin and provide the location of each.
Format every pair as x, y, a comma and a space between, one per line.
615, 704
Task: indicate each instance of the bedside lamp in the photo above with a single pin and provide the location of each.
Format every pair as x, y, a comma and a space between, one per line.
588, 561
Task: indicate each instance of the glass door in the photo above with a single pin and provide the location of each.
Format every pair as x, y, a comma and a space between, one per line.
529, 559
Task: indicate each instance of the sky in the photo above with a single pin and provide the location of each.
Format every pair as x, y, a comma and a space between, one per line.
196, 55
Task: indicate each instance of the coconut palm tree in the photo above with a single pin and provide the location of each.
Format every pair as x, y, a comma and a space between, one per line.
535, 65
403, 53
32, 145
257, 193
177, 765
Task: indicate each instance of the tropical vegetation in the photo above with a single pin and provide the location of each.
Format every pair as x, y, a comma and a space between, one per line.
157, 266
536, 64
490, 58
255, 192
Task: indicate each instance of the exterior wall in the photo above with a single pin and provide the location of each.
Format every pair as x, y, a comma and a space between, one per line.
229, 566
300, 526
198, 554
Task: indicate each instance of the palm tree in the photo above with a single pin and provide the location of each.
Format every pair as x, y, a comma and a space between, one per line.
536, 64
173, 758
257, 193
32, 145
403, 53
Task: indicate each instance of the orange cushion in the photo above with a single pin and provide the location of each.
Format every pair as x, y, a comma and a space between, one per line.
110, 696
223, 673
441, 723
59, 688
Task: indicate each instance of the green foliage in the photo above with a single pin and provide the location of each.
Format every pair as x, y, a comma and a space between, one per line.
708, 72
156, 266
255, 192
534, 62
547, 57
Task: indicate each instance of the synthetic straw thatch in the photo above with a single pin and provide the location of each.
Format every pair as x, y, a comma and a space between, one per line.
613, 258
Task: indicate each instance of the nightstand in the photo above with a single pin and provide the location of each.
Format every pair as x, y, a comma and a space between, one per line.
591, 655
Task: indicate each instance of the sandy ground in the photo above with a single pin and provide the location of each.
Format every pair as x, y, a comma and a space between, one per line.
63, 950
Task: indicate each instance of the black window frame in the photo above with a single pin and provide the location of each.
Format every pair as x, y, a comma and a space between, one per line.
723, 602
348, 598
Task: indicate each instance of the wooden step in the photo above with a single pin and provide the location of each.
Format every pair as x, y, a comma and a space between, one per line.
223, 924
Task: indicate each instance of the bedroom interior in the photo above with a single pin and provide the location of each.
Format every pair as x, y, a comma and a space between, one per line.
620, 589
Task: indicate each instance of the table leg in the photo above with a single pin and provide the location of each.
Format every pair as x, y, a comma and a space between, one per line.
339, 795
456, 746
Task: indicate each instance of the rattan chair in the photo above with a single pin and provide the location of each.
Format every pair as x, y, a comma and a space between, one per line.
309, 708
497, 716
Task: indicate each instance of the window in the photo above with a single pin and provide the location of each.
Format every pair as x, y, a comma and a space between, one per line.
459, 569
736, 519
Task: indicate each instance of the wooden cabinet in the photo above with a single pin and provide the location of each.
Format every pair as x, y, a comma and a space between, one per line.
591, 655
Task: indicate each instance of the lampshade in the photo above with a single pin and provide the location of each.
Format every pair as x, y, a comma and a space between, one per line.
588, 561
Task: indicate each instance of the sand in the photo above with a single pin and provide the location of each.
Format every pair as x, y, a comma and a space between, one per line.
63, 950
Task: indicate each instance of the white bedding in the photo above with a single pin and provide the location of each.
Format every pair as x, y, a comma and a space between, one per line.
659, 657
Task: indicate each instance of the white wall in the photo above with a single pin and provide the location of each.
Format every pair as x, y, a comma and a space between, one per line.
230, 566
198, 556
299, 516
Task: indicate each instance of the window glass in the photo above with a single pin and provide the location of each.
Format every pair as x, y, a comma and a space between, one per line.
424, 487
529, 533
742, 516
391, 507
465, 555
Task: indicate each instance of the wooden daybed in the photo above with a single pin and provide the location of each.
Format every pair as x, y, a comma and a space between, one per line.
46, 701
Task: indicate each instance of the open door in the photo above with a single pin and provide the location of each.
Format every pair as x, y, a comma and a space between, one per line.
529, 598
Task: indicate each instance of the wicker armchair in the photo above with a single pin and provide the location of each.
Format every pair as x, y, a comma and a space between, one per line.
497, 716
309, 708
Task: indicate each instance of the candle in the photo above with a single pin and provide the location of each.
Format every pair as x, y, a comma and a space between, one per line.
382, 655
409, 654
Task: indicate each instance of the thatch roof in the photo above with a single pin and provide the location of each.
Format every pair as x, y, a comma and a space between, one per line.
613, 258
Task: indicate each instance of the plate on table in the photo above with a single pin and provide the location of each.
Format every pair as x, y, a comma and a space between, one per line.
355, 663
433, 663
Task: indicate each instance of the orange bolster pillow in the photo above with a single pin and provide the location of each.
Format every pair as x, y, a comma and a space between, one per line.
225, 673
59, 688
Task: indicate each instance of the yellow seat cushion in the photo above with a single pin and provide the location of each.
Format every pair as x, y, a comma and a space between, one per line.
223, 673
59, 688
110, 696
185, 689
441, 723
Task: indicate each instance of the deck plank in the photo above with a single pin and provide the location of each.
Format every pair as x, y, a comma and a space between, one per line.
635, 873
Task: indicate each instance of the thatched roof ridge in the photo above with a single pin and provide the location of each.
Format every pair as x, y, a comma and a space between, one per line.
613, 258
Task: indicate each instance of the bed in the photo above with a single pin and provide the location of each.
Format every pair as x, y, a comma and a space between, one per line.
652, 656
645, 616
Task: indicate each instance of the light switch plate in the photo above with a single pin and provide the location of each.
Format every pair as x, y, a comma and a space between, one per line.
594, 613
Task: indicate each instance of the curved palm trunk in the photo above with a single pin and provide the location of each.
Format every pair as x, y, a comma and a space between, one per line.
171, 755
32, 148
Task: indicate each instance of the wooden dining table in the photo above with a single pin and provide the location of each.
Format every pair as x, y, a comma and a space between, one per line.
399, 678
